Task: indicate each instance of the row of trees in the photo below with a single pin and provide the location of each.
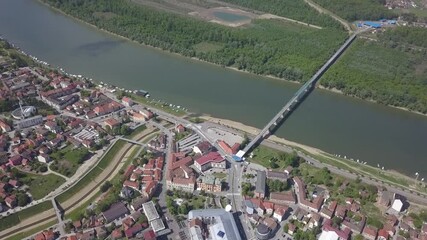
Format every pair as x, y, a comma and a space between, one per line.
269, 47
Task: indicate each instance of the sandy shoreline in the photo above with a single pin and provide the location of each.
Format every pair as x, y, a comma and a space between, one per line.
231, 68
312, 150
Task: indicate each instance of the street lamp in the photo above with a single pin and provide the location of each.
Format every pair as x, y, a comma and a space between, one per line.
416, 174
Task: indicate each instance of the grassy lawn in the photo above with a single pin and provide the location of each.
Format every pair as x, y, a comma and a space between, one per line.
197, 202
159, 105
137, 131
41, 185
23, 235
365, 170
263, 155
103, 163
375, 217
220, 175
68, 160
16, 218
76, 213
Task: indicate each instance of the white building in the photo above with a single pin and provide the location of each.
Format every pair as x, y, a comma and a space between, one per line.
397, 205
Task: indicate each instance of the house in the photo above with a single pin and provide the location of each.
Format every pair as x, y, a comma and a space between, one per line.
209, 184
314, 205
210, 160
179, 175
149, 235
277, 175
131, 184
280, 212
291, 229
87, 235
15, 160
202, 148
341, 211
4, 126
288, 170
397, 205
149, 189
112, 123
117, 210
117, 234
14, 183
283, 197
137, 203
77, 224
229, 150
44, 158
329, 232
314, 220
260, 184
129, 233
383, 234
329, 211
180, 128
269, 207
254, 205
127, 101
11, 201
370, 233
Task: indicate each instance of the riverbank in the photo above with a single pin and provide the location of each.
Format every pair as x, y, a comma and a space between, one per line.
390, 175
197, 59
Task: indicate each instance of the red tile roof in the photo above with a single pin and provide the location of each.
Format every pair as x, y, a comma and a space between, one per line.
210, 157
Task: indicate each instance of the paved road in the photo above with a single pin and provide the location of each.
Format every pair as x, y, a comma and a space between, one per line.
406, 192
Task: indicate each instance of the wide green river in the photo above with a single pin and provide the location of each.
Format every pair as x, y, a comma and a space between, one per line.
337, 124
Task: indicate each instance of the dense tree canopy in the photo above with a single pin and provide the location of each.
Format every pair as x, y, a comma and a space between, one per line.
269, 47
353, 10
390, 71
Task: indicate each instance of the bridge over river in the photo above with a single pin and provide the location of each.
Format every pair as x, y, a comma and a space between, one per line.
299, 96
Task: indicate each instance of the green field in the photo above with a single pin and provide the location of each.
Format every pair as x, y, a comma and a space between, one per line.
294, 9
16, 218
23, 235
389, 72
68, 160
271, 158
41, 185
103, 163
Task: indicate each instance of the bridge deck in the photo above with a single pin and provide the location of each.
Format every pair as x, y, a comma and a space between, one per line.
299, 94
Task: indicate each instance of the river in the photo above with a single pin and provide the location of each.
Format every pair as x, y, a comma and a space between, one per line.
334, 123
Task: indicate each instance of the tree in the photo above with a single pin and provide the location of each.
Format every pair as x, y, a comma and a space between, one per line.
104, 187
142, 219
22, 198
125, 130
286, 228
183, 209
336, 221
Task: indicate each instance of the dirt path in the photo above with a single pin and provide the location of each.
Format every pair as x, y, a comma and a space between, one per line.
271, 16
333, 15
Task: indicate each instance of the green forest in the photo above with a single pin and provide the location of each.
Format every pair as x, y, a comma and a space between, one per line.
416, 36
294, 9
391, 71
353, 10
269, 47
